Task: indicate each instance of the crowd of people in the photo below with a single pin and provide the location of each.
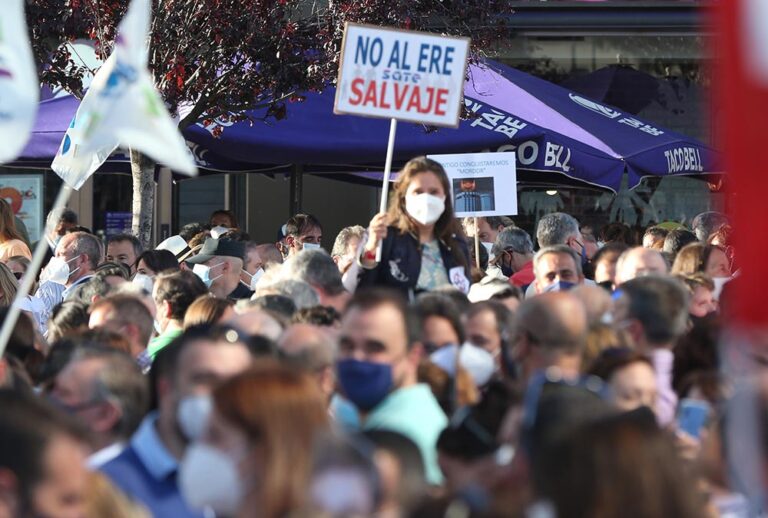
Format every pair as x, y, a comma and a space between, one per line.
570, 373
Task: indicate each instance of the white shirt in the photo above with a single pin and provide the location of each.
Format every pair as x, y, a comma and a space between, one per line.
99, 458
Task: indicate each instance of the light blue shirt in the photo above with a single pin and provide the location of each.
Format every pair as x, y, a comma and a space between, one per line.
146, 471
411, 411
151, 450
72, 287
50, 293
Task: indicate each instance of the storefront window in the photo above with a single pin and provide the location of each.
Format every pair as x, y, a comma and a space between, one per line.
112, 201
668, 76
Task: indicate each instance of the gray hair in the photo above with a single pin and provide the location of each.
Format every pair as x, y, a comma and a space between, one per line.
660, 303
499, 221
316, 268
88, 245
342, 239
301, 293
515, 239
121, 382
557, 249
130, 238
556, 228
704, 224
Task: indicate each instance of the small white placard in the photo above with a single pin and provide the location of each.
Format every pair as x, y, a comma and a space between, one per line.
482, 184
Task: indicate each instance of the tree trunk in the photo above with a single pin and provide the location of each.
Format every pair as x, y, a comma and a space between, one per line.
143, 173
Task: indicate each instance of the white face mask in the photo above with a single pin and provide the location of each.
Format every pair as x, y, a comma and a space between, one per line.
143, 281
192, 415
719, 283
310, 246
425, 208
477, 361
57, 271
488, 247
218, 231
204, 272
208, 477
254, 278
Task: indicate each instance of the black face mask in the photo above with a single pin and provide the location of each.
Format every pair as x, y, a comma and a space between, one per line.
608, 285
506, 269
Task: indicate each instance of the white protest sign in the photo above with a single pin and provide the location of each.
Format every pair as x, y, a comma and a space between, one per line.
482, 184
404, 75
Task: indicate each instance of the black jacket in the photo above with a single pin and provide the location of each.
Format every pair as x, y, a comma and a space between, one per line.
401, 262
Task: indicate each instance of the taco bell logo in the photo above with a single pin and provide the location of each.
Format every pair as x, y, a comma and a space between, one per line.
592, 105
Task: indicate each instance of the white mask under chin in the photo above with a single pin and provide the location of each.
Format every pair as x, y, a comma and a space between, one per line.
208, 477
425, 208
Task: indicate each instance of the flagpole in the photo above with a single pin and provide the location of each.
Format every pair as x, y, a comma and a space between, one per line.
387, 174
37, 260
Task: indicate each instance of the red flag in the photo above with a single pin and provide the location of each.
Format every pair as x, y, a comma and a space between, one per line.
741, 116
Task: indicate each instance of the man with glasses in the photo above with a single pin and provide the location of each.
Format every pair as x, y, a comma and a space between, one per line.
104, 389
184, 375
513, 251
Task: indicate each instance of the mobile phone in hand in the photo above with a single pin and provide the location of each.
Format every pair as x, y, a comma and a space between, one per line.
692, 415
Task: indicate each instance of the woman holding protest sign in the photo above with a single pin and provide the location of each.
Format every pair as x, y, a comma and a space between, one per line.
423, 247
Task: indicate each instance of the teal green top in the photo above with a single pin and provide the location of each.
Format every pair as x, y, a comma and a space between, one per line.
413, 411
161, 341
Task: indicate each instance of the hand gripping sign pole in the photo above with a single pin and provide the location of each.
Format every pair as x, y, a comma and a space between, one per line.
37, 260
400, 75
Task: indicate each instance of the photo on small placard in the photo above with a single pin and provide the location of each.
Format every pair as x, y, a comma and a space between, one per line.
474, 194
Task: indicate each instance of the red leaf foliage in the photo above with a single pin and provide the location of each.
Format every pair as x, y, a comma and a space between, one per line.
227, 56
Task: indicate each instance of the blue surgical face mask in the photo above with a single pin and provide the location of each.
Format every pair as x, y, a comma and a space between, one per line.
365, 384
560, 286
310, 246
204, 272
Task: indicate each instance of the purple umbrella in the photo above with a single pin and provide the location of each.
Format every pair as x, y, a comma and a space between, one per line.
555, 132
618, 85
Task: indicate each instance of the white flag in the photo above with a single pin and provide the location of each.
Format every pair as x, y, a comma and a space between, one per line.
19, 87
122, 108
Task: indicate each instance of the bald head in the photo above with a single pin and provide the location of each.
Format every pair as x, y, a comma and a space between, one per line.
550, 331
596, 300
307, 345
639, 262
269, 254
257, 322
312, 349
